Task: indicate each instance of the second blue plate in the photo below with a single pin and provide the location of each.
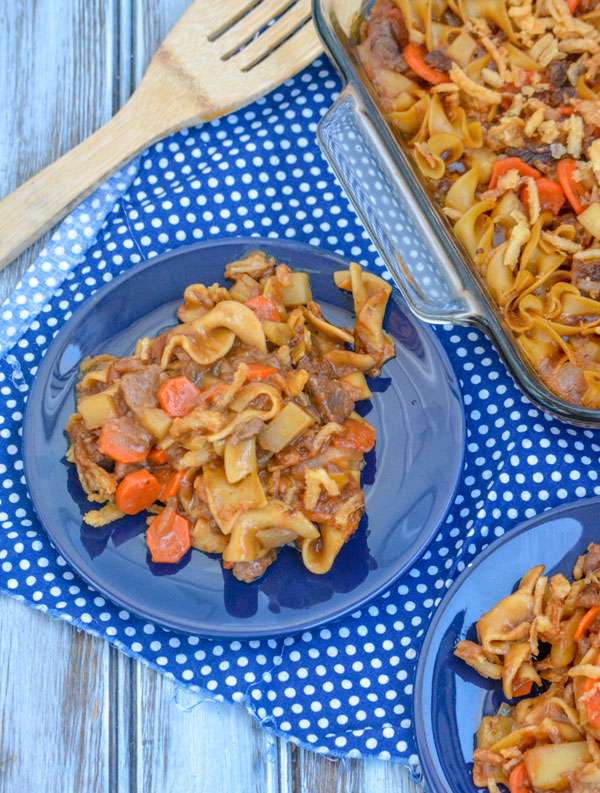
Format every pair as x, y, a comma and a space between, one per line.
409, 480
450, 697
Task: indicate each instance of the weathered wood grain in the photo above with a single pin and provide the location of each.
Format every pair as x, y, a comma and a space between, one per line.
57, 72
187, 743
56, 81
150, 23
54, 705
315, 773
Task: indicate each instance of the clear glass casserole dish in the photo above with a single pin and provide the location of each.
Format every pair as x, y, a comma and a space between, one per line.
415, 240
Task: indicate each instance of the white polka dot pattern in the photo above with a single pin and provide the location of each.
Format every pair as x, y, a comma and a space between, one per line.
346, 688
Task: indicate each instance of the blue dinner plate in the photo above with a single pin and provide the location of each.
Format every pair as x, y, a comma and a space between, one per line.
409, 479
450, 697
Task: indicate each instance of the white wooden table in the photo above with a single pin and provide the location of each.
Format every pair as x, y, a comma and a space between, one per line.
77, 716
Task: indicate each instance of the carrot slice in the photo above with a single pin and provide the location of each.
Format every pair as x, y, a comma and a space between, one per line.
414, 57
264, 308
590, 696
572, 5
122, 445
511, 164
213, 390
171, 488
572, 189
523, 688
158, 456
518, 781
357, 434
168, 537
550, 194
137, 491
259, 371
586, 622
178, 396
591, 699
566, 110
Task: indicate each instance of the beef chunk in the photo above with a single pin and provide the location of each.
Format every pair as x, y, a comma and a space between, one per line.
585, 6
557, 73
248, 429
139, 388
588, 597
156, 346
121, 367
560, 88
324, 366
250, 571
438, 60
256, 264
388, 35
330, 398
585, 275
582, 236
591, 560
539, 157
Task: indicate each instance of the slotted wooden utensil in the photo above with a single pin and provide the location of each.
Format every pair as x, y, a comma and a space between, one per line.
221, 55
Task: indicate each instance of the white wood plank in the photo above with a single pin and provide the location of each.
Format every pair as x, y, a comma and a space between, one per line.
315, 773
151, 21
56, 78
388, 777
54, 705
123, 729
57, 69
188, 743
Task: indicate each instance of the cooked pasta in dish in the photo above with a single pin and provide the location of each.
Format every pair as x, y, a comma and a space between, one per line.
236, 429
499, 102
547, 634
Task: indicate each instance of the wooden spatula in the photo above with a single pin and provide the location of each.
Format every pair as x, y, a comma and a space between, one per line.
221, 55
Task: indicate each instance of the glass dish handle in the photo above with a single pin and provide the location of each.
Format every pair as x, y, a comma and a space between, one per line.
399, 227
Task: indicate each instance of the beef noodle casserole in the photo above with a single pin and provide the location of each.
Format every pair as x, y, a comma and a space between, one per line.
236, 429
498, 100
548, 631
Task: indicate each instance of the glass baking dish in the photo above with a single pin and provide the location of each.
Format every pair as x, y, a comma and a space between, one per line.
412, 235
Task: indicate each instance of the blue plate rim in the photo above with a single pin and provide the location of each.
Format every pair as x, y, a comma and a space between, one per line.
36, 391
429, 764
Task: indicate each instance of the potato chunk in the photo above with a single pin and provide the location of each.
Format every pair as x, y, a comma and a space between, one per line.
156, 421
286, 426
547, 765
298, 292
97, 409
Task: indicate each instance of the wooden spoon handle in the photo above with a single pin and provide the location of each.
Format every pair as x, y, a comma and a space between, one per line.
38, 204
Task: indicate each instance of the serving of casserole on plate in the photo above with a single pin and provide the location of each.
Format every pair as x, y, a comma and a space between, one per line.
153, 423
478, 120
522, 712
236, 428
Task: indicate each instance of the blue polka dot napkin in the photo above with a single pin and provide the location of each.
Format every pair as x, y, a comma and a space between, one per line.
347, 688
